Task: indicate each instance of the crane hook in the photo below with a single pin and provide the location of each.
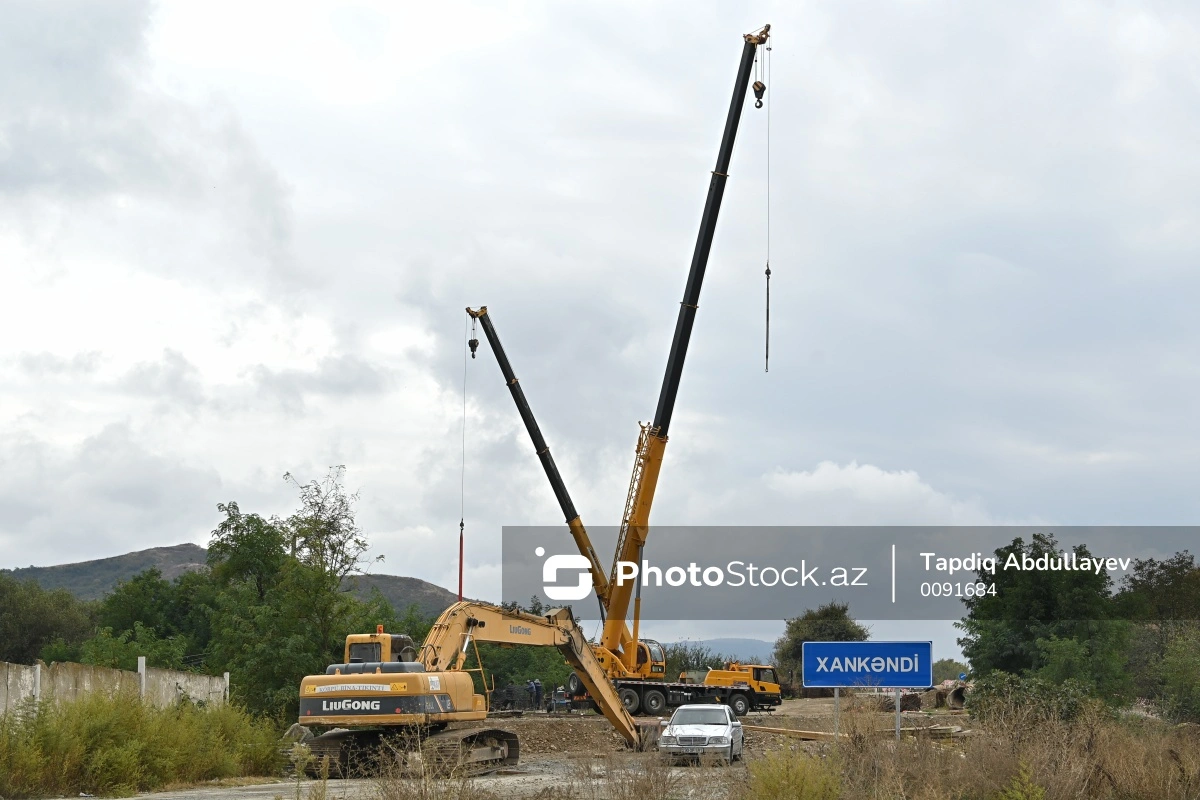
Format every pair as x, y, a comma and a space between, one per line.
760, 89
473, 344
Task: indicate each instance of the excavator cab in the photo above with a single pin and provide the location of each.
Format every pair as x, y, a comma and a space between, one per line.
379, 647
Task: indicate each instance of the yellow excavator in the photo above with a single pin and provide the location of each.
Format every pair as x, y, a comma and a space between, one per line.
638, 666
387, 684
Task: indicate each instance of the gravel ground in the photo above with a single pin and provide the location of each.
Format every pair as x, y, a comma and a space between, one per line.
560, 755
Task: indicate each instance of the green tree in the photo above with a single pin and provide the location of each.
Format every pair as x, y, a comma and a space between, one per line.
247, 549
828, 623
1162, 598
947, 669
121, 651
1095, 658
1157, 590
145, 598
284, 605
31, 619
685, 656
1180, 694
1002, 630
193, 600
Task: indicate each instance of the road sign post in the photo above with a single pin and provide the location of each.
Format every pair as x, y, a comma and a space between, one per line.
845, 665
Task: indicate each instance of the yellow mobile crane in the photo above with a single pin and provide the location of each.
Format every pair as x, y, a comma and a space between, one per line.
388, 685
637, 667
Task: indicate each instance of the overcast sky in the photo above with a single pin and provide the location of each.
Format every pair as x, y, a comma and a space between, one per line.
236, 240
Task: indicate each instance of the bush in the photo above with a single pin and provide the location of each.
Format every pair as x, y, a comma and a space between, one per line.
1181, 678
116, 745
1022, 787
1001, 695
793, 775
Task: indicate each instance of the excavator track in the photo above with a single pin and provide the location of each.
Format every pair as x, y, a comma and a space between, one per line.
343, 753
471, 751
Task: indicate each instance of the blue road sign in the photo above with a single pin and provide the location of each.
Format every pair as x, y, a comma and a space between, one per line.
895, 665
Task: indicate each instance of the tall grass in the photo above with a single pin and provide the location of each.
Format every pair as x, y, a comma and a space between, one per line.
116, 745
1013, 756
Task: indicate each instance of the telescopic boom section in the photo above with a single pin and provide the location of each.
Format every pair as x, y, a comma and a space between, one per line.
574, 523
653, 439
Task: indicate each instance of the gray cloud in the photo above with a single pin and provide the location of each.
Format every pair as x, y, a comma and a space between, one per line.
983, 239
84, 129
172, 381
106, 495
49, 364
333, 376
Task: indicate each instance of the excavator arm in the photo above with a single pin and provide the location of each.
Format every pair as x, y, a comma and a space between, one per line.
445, 649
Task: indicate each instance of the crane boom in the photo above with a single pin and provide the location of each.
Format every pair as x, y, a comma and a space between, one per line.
574, 523
653, 439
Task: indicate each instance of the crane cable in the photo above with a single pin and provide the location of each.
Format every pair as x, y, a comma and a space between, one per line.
462, 478
766, 78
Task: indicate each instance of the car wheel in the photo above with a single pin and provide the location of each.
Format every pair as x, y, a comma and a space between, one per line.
739, 704
729, 758
653, 702
629, 699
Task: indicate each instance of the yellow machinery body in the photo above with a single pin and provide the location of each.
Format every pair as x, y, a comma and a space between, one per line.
757, 677
421, 692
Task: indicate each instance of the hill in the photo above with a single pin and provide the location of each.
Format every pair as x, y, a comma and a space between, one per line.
91, 580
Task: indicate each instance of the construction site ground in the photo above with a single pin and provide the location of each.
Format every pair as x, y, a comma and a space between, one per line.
559, 752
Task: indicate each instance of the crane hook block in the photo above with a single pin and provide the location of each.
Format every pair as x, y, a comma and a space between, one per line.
474, 345
760, 89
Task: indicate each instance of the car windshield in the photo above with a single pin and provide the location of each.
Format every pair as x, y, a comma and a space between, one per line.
700, 716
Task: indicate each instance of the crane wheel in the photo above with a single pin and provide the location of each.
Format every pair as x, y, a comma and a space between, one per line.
630, 699
653, 702
574, 685
739, 704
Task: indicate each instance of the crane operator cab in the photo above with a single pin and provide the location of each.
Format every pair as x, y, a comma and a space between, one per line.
651, 660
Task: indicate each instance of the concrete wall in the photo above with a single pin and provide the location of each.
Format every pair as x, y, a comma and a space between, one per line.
164, 687
17, 682
67, 682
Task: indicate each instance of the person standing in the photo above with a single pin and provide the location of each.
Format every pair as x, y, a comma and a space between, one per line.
537, 692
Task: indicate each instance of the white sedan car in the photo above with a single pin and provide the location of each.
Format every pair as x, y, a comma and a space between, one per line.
696, 730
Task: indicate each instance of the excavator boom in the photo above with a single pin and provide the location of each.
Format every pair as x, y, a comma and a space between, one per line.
445, 648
